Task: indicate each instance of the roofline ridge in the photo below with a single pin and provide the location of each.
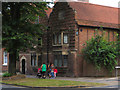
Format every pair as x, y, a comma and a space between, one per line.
95, 4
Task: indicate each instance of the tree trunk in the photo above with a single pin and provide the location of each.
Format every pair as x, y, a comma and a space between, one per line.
12, 62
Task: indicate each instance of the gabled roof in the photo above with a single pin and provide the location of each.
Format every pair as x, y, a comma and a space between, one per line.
48, 11
95, 15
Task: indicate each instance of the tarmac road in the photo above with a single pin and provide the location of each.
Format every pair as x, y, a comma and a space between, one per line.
10, 87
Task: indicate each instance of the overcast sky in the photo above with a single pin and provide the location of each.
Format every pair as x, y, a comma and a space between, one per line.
112, 3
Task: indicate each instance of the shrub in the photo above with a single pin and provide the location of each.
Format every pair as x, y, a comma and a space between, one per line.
7, 74
101, 53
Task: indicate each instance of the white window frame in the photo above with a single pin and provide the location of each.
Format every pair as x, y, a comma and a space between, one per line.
65, 38
5, 58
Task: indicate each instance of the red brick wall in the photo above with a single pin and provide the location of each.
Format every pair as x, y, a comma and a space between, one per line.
66, 25
86, 69
4, 67
76, 64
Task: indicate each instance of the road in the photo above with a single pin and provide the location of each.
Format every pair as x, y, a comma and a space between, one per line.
10, 87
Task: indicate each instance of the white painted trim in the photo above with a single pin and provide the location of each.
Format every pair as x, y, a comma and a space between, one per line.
23, 57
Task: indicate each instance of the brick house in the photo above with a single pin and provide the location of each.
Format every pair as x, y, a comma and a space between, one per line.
71, 24
4, 60
30, 60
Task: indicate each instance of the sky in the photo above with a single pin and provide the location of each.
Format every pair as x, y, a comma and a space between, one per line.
111, 3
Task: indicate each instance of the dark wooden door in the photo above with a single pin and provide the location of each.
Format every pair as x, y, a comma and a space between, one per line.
23, 66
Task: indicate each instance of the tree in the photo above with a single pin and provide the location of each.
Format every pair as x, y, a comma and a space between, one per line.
19, 30
101, 53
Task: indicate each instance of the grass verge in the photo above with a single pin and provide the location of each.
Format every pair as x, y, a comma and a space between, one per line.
34, 82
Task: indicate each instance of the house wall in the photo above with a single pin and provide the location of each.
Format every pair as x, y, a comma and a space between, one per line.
29, 69
40, 50
66, 25
86, 33
4, 67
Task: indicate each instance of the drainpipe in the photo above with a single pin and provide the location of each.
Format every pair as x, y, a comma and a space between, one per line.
48, 47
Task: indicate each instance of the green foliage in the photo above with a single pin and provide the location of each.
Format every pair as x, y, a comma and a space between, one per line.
7, 74
20, 32
118, 44
101, 53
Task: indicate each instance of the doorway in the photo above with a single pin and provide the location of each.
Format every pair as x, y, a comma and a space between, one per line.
23, 66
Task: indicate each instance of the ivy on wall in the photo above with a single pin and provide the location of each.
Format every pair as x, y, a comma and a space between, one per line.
100, 53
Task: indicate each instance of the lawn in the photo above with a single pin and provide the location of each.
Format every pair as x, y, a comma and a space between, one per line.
34, 82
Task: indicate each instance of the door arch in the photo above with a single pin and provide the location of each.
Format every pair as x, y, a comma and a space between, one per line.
23, 65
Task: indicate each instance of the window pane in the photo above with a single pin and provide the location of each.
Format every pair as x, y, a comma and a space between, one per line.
55, 62
33, 62
33, 59
59, 38
61, 15
60, 60
5, 57
65, 38
55, 39
40, 41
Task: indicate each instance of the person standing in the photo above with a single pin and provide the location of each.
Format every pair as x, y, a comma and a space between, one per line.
55, 72
44, 68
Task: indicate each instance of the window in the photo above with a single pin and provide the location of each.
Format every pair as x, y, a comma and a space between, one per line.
33, 59
65, 60
60, 60
57, 39
40, 41
61, 15
65, 39
5, 58
55, 61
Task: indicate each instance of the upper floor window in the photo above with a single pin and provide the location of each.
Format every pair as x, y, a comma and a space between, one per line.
5, 58
61, 15
65, 38
57, 39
